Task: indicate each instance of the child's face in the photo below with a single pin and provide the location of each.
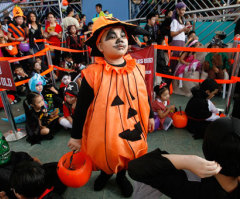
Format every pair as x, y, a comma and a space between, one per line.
37, 66
152, 21
38, 103
39, 88
18, 71
170, 14
165, 96
73, 30
211, 94
70, 99
19, 20
66, 79
68, 59
90, 27
38, 60
114, 43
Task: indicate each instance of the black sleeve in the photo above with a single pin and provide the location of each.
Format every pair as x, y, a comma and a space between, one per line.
84, 99
157, 171
151, 114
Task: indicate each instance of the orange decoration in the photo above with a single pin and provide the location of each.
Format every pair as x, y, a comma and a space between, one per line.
180, 119
221, 115
12, 50
74, 170
65, 3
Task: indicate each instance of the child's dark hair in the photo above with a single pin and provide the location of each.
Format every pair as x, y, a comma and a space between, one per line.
209, 84
69, 9
66, 55
222, 144
150, 16
90, 23
30, 99
16, 66
28, 179
99, 5
160, 89
191, 32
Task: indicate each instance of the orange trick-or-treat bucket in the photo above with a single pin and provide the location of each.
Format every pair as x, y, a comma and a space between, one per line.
180, 119
74, 169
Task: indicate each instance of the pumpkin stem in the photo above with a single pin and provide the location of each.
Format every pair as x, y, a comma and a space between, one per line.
180, 108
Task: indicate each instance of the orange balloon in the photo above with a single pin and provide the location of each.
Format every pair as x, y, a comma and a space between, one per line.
180, 119
78, 173
65, 3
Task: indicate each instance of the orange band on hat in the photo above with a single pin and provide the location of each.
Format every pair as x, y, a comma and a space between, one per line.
105, 29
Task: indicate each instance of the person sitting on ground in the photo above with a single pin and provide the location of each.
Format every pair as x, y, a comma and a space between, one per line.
220, 172
216, 64
200, 110
20, 75
9, 159
70, 101
40, 124
163, 111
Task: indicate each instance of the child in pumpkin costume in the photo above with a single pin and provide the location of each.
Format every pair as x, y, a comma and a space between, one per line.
111, 119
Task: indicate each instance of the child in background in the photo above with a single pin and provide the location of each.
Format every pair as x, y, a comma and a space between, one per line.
188, 62
30, 180
65, 80
20, 75
69, 105
200, 110
37, 68
161, 108
74, 42
9, 159
39, 123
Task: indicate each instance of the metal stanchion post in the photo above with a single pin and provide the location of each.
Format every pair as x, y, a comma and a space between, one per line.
49, 60
155, 63
234, 73
16, 135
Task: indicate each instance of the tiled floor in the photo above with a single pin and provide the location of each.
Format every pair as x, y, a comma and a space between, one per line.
174, 141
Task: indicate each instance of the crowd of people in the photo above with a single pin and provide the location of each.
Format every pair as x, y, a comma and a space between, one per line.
106, 107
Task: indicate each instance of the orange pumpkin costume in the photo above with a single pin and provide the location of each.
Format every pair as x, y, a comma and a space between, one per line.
116, 125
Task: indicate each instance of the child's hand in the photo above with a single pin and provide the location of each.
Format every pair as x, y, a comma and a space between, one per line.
75, 144
216, 70
151, 125
172, 108
203, 168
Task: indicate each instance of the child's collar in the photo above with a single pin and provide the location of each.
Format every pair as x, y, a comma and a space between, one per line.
130, 64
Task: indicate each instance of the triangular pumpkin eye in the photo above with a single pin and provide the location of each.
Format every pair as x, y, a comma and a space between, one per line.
117, 101
131, 112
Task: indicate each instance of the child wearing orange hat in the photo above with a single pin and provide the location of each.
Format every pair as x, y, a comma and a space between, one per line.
16, 30
112, 115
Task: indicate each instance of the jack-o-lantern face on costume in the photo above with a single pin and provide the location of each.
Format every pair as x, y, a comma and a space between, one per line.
113, 43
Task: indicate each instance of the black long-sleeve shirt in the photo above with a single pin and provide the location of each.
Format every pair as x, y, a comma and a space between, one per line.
157, 171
